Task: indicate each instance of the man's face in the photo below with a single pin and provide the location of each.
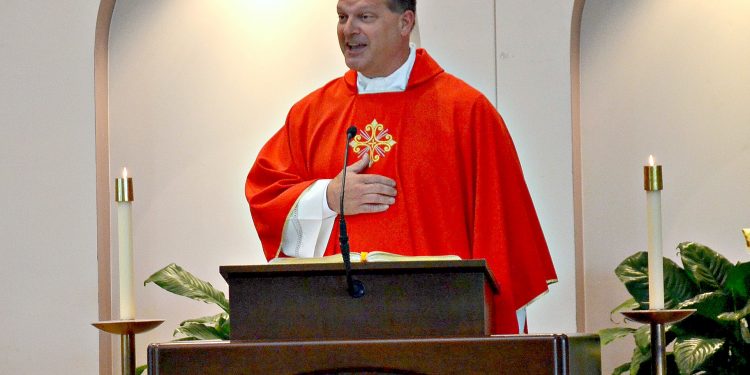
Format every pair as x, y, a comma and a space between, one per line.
373, 39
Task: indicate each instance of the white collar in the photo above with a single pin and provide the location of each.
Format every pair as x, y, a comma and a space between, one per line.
396, 82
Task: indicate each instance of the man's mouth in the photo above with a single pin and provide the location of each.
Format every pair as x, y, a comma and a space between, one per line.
355, 47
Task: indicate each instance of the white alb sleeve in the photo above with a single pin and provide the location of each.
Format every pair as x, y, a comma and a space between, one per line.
521, 317
309, 224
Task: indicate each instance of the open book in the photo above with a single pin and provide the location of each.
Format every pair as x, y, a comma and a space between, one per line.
363, 257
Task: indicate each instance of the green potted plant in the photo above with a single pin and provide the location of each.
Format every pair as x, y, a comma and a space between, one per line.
714, 340
174, 279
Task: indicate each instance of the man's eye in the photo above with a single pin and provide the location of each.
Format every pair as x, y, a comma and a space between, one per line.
342, 18
367, 17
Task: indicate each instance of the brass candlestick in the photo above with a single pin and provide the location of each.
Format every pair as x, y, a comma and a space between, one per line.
124, 189
652, 178
658, 319
127, 329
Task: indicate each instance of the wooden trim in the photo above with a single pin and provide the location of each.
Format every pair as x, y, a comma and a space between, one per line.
575, 102
507, 354
101, 107
310, 269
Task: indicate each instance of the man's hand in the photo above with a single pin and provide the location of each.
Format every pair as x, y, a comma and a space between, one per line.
365, 193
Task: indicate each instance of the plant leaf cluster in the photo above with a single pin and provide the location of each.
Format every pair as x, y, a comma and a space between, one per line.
714, 340
176, 280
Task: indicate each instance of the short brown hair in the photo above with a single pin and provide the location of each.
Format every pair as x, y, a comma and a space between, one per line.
401, 6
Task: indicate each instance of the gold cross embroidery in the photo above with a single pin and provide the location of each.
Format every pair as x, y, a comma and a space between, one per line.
374, 140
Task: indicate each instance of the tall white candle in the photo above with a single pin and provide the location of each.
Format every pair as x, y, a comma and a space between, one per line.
652, 183
124, 198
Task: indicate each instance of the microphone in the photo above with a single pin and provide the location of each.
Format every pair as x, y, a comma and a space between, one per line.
355, 287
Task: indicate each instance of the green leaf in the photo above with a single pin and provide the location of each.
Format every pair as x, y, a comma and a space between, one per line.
736, 315
213, 320
744, 332
707, 268
738, 281
633, 272
623, 368
629, 304
181, 339
608, 335
174, 279
672, 365
140, 369
638, 359
709, 304
225, 329
642, 337
697, 325
216, 327
677, 284
199, 331
691, 353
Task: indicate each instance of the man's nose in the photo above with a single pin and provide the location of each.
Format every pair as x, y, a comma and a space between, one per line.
350, 27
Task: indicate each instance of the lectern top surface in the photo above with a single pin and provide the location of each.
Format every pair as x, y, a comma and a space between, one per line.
282, 270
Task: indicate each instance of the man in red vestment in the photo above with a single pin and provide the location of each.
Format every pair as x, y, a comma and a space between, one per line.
436, 171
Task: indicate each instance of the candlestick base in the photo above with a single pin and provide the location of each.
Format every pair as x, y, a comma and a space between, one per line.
127, 329
658, 319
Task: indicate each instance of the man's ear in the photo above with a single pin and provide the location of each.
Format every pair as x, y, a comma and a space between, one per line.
408, 18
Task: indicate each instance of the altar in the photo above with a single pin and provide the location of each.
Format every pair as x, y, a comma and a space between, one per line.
415, 318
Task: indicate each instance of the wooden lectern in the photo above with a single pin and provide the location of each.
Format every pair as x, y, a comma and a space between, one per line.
415, 318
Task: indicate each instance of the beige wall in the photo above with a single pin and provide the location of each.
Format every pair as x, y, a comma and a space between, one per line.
48, 270
460, 36
668, 78
533, 68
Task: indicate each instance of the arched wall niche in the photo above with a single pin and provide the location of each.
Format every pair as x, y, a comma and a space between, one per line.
497, 80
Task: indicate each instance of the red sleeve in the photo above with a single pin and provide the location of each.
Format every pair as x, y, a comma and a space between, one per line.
506, 228
273, 185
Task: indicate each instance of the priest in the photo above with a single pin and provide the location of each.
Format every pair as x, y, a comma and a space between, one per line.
435, 171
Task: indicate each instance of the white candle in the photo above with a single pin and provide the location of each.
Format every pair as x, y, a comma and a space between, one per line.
124, 197
653, 185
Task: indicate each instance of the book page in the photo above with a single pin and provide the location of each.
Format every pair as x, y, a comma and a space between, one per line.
372, 256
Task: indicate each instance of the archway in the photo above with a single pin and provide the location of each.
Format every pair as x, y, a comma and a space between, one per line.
103, 175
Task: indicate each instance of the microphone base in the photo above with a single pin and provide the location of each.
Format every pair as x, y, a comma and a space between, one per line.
357, 289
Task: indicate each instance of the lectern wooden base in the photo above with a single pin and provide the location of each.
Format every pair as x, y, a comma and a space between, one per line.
513, 354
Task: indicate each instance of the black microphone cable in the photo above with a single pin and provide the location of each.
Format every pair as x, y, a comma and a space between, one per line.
355, 287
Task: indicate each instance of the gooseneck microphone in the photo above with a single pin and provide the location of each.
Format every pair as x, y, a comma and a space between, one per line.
355, 287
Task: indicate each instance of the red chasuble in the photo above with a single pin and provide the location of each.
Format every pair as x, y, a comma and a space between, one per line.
460, 186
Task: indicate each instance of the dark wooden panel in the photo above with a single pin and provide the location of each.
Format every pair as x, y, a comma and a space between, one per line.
402, 300
522, 354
